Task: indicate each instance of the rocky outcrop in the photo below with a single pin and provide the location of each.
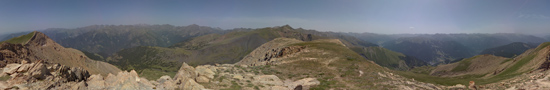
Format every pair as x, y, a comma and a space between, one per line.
13, 53
41, 47
268, 52
41, 75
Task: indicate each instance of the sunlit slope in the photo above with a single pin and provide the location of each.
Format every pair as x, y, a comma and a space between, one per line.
485, 69
388, 58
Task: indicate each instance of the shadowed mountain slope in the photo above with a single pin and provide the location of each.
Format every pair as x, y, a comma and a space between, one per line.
510, 50
430, 50
105, 40
388, 58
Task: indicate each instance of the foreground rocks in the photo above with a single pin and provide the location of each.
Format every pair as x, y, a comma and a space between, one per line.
42, 75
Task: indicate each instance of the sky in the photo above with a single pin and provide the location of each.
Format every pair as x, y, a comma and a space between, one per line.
374, 16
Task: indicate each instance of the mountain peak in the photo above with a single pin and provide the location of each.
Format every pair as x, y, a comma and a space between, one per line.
40, 38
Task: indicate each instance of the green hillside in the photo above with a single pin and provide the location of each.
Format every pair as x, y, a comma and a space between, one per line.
430, 50
337, 69
230, 47
484, 69
20, 39
509, 50
388, 58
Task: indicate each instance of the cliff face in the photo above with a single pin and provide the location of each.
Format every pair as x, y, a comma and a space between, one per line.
41, 47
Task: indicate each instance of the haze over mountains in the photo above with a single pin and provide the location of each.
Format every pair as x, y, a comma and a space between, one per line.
326, 60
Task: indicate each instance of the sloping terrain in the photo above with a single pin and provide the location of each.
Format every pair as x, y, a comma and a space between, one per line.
477, 65
509, 50
207, 49
487, 69
41, 47
328, 60
388, 58
230, 47
430, 50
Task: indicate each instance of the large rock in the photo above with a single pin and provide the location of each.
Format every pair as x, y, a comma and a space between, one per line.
191, 85
129, 81
39, 70
202, 79
166, 83
268, 80
305, 83
11, 68
96, 82
185, 73
205, 73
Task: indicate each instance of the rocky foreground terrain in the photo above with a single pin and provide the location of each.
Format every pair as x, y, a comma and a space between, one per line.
42, 75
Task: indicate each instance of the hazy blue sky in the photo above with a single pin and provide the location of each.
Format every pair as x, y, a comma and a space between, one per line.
376, 16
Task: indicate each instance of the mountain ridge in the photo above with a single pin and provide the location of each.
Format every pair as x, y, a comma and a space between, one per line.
39, 47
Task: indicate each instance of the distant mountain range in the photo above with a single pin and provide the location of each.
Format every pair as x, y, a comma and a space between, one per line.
509, 50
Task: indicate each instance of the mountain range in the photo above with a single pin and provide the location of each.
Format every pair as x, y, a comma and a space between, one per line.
276, 58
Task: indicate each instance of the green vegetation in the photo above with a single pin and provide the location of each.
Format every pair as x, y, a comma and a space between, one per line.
463, 64
506, 74
149, 61
388, 58
513, 69
93, 56
5, 77
422, 69
234, 86
21, 39
509, 50
337, 67
430, 50
543, 45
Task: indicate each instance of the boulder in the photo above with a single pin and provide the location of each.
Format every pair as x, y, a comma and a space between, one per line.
185, 73
268, 80
128, 81
39, 70
202, 79
166, 83
96, 82
24, 68
238, 77
205, 71
11, 68
191, 85
305, 83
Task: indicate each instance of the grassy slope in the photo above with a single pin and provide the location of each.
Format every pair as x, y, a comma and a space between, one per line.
509, 50
209, 49
150, 62
509, 72
382, 57
336, 67
388, 58
20, 40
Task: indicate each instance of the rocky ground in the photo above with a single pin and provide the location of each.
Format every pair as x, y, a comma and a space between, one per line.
536, 80
42, 75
